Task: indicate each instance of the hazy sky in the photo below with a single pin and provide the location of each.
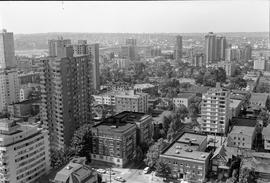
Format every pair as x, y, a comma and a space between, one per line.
141, 16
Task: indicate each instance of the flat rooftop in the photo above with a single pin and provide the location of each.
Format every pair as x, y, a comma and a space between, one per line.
234, 103
122, 121
236, 121
185, 95
262, 97
194, 138
243, 130
182, 150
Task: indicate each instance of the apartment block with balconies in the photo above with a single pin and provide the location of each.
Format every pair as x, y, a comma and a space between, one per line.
215, 111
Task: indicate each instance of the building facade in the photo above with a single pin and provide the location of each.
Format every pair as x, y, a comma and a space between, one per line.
266, 137
183, 99
57, 47
241, 137
131, 101
24, 152
7, 52
66, 96
215, 111
9, 88
229, 67
186, 157
210, 48
178, 48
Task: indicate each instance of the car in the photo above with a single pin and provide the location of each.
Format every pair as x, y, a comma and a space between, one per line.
101, 171
146, 170
119, 179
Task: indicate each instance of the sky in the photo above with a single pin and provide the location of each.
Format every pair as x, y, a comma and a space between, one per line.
135, 16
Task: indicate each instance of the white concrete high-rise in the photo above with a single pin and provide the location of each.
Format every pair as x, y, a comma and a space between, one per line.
215, 110
7, 52
24, 152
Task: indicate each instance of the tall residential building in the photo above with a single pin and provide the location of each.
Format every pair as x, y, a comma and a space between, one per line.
131, 42
247, 52
215, 110
7, 52
9, 88
66, 95
198, 60
228, 66
178, 48
57, 47
221, 45
210, 48
228, 54
24, 153
128, 52
82, 48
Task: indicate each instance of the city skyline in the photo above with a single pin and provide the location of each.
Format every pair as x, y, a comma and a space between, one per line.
133, 17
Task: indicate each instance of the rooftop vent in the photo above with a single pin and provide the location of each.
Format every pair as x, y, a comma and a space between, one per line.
177, 152
69, 167
203, 156
189, 150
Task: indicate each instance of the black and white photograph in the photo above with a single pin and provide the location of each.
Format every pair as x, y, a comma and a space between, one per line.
135, 91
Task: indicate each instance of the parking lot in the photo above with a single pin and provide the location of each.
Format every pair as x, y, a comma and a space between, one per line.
133, 174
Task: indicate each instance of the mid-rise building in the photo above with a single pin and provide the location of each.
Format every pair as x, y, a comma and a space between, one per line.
66, 95
228, 66
128, 52
178, 48
115, 139
7, 52
9, 88
29, 77
122, 63
186, 157
215, 110
130, 100
241, 137
131, 41
114, 142
24, 152
198, 60
259, 64
183, 99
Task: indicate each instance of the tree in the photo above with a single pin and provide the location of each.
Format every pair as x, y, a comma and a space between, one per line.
60, 157
247, 175
180, 113
265, 117
166, 123
153, 153
193, 110
163, 168
81, 141
237, 82
172, 131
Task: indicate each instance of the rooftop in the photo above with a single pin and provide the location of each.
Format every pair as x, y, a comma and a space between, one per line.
122, 121
246, 130
182, 150
261, 97
244, 122
196, 139
144, 85
185, 95
234, 103
266, 131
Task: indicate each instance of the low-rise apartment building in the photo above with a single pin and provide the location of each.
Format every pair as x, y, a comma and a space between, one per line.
183, 99
242, 137
186, 157
115, 139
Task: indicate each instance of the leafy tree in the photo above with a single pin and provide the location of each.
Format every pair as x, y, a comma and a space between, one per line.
172, 131
247, 175
193, 110
238, 82
265, 117
263, 88
81, 141
60, 157
153, 153
166, 123
180, 113
163, 169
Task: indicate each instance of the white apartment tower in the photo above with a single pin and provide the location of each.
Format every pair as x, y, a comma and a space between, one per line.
215, 110
24, 152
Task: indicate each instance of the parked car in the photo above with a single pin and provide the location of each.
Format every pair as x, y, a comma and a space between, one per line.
146, 170
101, 171
119, 179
